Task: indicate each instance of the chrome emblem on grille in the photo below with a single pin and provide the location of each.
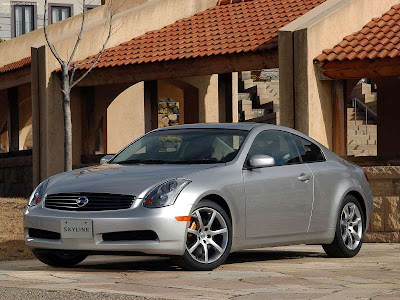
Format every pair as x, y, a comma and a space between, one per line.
82, 201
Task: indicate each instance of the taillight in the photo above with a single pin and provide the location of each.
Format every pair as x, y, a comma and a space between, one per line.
366, 175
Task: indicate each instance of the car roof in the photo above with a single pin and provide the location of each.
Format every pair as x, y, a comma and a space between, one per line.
237, 126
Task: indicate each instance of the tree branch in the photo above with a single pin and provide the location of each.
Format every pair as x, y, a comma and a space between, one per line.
78, 40
51, 46
111, 15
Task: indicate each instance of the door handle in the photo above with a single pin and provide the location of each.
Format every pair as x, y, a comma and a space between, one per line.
304, 178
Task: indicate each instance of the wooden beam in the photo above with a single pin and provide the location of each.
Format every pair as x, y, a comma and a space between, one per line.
15, 78
225, 97
182, 68
105, 147
339, 118
151, 103
388, 67
13, 120
88, 121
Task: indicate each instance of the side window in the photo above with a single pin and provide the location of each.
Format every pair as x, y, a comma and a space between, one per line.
24, 19
277, 144
309, 151
59, 13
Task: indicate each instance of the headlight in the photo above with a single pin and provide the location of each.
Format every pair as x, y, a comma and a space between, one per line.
37, 194
165, 194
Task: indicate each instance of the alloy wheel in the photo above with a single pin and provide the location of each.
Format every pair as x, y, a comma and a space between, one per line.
207, 235
351, 225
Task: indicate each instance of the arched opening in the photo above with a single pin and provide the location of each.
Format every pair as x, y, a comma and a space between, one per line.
177, 103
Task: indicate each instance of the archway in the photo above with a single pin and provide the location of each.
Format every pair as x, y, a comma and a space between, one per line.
172, 92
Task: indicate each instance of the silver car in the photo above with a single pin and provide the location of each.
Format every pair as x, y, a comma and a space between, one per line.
199, 192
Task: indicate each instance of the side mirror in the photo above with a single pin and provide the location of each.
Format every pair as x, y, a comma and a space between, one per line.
261, 161
106, 159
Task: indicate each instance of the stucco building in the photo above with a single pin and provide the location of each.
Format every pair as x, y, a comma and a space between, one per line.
325, 67
20, 17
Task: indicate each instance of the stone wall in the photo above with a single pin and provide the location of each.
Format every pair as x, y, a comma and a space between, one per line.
16, 176
385, 220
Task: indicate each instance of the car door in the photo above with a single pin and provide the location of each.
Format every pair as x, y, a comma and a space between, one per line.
278, 199
325, 175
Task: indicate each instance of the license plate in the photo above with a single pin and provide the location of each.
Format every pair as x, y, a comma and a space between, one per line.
76, 229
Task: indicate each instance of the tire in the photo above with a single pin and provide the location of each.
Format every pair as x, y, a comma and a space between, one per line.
194, 259
59, 259
344, 247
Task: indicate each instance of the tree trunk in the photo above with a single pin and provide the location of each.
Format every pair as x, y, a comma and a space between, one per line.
66, 105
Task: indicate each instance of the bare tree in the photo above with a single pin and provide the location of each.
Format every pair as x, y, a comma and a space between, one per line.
67, 77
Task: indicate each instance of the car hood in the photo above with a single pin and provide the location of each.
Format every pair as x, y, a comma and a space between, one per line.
118, 179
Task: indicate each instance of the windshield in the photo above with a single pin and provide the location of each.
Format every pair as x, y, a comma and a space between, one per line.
184, 146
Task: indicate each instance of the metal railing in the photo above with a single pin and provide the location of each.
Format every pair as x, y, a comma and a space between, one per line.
356, 104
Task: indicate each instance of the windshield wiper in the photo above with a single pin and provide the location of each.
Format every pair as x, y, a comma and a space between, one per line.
142, 161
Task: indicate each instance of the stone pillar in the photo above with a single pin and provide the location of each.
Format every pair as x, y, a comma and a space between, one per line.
385, 220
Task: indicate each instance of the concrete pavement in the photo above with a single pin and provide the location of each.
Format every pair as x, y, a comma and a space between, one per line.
299, 272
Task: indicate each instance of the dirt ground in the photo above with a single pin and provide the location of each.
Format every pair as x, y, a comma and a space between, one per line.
12, 246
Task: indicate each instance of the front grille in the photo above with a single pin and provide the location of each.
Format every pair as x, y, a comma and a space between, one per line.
96, 202
138, 235
43, 234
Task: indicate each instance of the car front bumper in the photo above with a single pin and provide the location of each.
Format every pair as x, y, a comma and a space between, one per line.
170, 232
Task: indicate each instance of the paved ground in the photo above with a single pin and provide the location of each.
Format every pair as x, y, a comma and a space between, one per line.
301, 272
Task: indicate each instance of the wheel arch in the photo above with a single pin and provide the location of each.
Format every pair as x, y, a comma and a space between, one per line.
360, 199
220, 201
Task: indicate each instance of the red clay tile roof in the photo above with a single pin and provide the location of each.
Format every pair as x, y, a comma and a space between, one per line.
224, 2
246, 26
25, 62
379, 39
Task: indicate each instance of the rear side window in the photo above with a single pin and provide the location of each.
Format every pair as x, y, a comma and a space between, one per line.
309, 152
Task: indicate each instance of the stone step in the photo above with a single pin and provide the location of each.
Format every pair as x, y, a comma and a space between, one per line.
351, 126
373, 135
246, 75
354, 142
361, 147
268, 107
359, 139
352, 117
271, 118
244, 96
354, 122
361, 131
267, 91
362, 153
268, 98
366, 137
249, 83
245, 105
254, 113
370, 98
